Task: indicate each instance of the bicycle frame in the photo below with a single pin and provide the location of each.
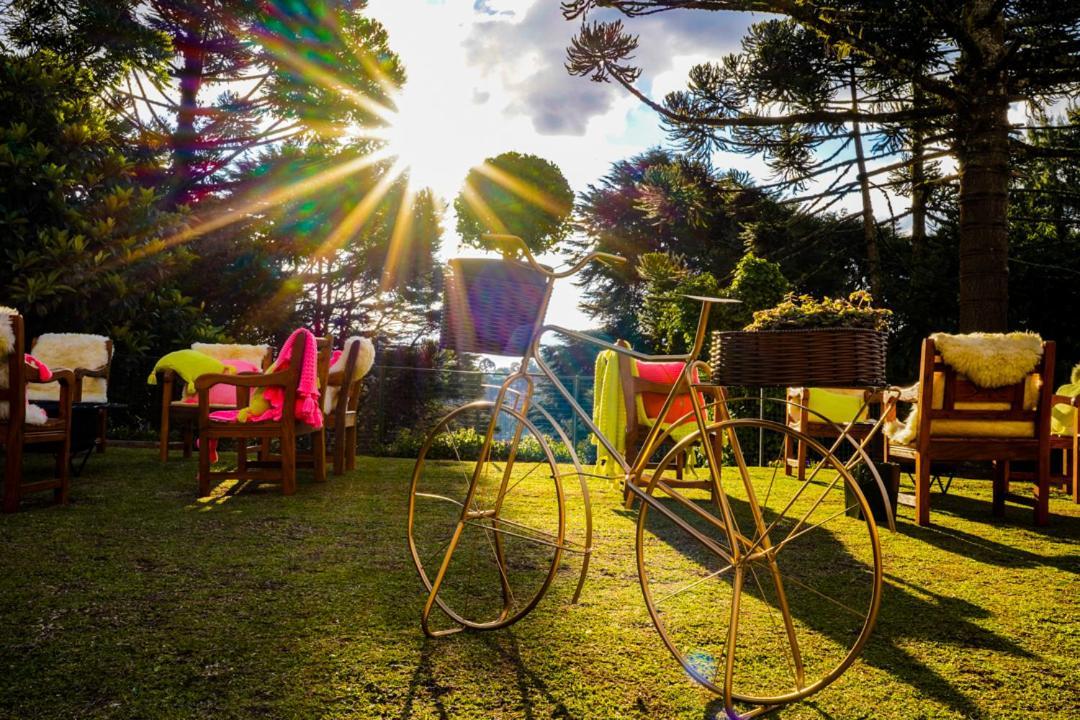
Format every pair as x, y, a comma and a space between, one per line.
742, 548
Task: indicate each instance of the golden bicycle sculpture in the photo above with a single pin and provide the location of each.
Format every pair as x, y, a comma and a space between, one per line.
764, 588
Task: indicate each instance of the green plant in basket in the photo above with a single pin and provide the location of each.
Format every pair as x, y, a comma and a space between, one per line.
805, 311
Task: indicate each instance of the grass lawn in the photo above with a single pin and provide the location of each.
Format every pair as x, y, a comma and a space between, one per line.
139, 601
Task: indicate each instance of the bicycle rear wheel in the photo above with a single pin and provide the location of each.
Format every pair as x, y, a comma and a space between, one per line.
486, 528
785, 615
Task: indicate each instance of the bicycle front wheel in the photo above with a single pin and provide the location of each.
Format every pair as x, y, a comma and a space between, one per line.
787, 613
486, 528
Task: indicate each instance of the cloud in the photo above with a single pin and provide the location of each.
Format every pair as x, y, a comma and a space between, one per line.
560, 104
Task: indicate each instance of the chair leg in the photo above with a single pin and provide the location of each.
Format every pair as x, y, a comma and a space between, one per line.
801, 459
241, 455
189, 440
63, 471
204, 467
788, 456
12, 477
1042, 492
163, 443
339, 451
103, 426
288, 461
1075, 468
922, 490
1001, 486
350, 448
318, 450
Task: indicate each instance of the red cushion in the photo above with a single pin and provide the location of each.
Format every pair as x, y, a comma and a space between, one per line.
668, 373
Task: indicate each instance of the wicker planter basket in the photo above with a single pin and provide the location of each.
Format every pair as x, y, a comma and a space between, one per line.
491, 306
814, 357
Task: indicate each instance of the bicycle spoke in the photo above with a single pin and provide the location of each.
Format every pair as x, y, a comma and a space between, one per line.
789, 577
534, 540
433, 496
792, 535
783, 513
776, 628
518, 481
502, 570
694, 584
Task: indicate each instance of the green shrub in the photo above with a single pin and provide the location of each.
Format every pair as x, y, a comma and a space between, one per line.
805, 311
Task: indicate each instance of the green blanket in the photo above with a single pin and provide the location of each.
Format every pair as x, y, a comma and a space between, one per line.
1061, 417
188, 364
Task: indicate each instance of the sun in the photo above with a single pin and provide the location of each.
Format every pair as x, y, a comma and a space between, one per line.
434, 139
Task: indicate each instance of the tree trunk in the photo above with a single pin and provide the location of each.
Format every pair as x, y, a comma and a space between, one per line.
185, 139
983, 155
918, 190
873, 253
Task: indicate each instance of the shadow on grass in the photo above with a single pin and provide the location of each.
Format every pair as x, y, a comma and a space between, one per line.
505, 646
955, 502
991, 552
715, 711
908, 613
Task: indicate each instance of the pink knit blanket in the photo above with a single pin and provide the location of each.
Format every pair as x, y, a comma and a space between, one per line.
269, 403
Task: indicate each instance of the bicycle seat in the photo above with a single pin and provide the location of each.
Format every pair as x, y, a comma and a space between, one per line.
702, 298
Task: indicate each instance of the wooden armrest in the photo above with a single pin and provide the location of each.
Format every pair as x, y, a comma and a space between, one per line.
1065, 400
249, 380
60, 375
101, 372
909, 394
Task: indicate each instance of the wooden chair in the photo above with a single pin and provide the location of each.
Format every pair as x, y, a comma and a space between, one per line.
91, 383
15, 432
340, 415
961, 421
1068, 442
800, 400
639, 395
268, 468
185, 415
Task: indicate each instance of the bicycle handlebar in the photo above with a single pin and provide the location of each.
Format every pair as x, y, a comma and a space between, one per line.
513, 244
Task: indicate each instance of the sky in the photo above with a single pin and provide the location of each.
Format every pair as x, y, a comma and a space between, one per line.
487, 76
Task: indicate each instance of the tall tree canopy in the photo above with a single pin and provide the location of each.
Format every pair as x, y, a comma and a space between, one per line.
663, 202
916, 73
257, 119
515, 193
83, 241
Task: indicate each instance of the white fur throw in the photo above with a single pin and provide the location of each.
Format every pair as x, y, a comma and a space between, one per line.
7, 333
34, 414
254, 354
365, 358
990, 360
72, 351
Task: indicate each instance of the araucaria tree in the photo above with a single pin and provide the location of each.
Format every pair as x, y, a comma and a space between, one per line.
915, 70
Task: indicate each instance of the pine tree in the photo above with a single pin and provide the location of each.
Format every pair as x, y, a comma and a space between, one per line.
948, 70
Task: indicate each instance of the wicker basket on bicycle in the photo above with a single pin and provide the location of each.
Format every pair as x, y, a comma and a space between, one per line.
491, 306
809, 357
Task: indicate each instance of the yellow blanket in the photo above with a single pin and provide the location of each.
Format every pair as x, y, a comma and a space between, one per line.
609, 412
609, 415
